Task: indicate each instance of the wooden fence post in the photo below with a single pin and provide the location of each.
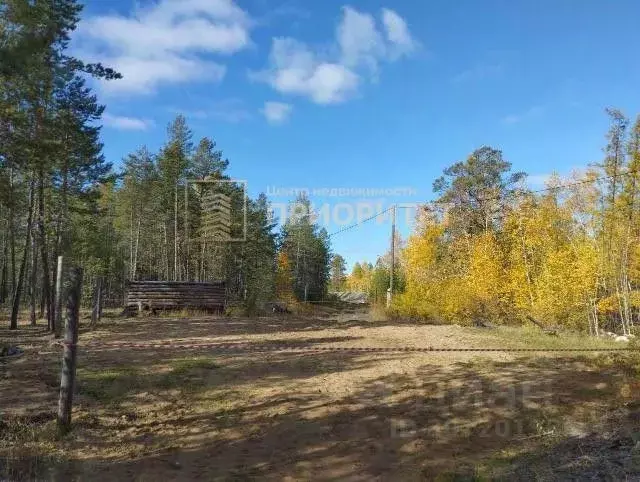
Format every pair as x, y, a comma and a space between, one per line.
57, 302
73, 289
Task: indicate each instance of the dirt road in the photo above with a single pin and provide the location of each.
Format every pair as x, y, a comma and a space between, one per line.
156, 411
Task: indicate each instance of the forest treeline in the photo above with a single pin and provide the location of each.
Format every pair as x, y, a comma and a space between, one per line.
146, 220
490, 250
487, 249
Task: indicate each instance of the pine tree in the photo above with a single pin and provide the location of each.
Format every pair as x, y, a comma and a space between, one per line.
44, 103
477, 190
338, 273
308, 248
207, 161
173, 162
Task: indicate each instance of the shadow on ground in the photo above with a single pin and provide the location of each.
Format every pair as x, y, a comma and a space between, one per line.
544, 419
321, 318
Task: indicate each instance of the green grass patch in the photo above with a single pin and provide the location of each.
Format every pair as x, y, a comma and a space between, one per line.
111, 385
184, 313
533, 337
188, 374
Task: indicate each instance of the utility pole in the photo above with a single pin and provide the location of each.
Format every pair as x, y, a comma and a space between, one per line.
393, 255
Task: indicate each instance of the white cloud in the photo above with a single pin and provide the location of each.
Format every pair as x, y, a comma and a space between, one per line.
295, 69
360, 41
125, 123
167, 10
143, 75
277, 112
165, 42
358, 49
397, 33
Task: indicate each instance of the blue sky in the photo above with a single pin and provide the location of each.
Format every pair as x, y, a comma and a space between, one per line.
373, 94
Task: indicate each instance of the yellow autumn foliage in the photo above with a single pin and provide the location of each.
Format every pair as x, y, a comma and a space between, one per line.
537, 265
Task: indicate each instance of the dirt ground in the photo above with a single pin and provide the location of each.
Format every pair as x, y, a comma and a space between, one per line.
283, 398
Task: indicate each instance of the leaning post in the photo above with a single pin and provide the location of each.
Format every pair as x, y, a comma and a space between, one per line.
72, 291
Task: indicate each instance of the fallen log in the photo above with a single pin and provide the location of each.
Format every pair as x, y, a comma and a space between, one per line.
548, 331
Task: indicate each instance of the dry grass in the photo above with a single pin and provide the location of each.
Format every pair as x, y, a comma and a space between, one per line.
254, 412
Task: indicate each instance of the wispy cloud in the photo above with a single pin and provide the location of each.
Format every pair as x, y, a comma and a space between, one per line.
126, 123
167, 42
332, 75
232, 110
534, 111
276, 112
289, 11
479, 72
399, 38
191, 113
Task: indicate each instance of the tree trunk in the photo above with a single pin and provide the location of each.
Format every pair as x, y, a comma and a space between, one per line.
57, 316
44, 256
33, 279
4, 273
17, 292
62, 246
204, 246
175, 234
12, 233
166, 251
67, 378
42, 304
185, 249
131, 270
96, 312
135, 253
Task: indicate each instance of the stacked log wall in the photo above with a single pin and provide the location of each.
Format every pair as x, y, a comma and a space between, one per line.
169, 295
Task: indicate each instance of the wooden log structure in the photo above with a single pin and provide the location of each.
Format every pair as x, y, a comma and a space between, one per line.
172, 295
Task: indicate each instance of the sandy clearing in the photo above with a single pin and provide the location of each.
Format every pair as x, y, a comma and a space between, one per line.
189, 414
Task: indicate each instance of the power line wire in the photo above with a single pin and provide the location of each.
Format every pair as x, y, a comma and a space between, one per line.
347, 228
547, 189
497, 198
